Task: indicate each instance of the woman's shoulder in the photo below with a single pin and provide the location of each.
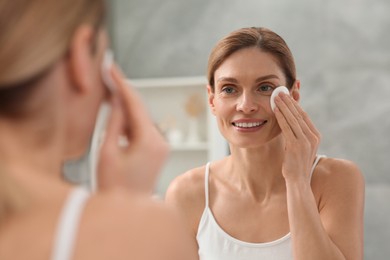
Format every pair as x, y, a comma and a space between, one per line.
124, 220
186, 193
337, 177
187, 187
334, 168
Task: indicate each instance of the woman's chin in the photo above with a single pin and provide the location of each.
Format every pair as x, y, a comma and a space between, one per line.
251, 143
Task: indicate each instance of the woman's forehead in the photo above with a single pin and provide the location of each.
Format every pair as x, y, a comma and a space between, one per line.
249, 62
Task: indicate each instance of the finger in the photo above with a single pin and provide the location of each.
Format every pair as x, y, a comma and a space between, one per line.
115, 126
287, 132
307, 127
136, 118
307, 120
109, 148
289, 117
298, 113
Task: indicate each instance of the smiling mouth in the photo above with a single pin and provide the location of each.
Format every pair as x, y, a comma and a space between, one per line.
248, 125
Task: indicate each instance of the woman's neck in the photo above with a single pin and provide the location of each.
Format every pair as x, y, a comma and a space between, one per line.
258, 170
31, 145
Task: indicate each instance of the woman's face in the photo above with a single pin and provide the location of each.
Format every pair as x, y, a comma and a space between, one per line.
241, 99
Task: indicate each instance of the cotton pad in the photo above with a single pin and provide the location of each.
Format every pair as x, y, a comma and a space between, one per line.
275, 93
108, 60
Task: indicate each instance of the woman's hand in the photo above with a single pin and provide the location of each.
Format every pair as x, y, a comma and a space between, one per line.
136, 165
301, 137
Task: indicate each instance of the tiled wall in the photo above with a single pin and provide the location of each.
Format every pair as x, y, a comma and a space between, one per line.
342, 51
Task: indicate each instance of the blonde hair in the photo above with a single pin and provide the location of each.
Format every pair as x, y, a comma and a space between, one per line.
34, 34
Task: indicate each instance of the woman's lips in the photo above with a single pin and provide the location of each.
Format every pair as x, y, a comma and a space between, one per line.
249, 125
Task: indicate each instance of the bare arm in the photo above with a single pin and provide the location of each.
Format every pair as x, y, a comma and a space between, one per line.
336, 230
186, 195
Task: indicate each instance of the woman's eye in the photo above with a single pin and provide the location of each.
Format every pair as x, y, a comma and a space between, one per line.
228, 90
266, 89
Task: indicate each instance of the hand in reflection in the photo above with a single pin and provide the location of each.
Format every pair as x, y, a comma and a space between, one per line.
137, 164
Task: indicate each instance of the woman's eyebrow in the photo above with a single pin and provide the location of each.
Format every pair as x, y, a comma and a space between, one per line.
259, 79
228, 79
271, 76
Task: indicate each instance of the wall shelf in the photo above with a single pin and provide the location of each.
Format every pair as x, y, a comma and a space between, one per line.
166, 100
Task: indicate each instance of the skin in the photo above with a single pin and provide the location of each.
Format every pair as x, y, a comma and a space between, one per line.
118, 222
266, 179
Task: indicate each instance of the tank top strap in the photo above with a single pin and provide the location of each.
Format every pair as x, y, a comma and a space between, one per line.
206, 185
318, 158
68, 224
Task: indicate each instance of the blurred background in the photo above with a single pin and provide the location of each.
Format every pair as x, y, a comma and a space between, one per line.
342, 53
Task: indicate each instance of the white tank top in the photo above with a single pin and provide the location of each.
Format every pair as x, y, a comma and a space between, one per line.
215, 244
68, 224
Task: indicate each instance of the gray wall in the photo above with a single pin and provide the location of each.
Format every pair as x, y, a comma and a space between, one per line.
342, 51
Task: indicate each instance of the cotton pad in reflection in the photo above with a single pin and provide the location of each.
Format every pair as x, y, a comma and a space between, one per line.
275, 93
108, 61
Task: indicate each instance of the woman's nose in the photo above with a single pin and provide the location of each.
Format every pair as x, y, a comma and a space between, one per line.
247, 104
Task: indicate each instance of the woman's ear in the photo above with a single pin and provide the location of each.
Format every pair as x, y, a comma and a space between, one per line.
80, 59
295, 90
211, 95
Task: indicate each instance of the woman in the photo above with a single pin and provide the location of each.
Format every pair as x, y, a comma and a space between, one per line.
273, 197
51, 88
